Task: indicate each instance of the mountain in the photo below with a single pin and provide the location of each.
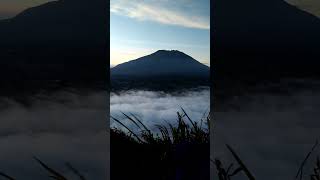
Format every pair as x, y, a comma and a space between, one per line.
64, 39
67, 21
160, 71
162, 63
264, 39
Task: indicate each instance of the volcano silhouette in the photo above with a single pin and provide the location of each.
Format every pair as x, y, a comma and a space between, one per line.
264, 39
65, 39
162, 63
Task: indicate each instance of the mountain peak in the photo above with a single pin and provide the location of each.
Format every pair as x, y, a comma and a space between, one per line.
170, 52
167, 51
168, 55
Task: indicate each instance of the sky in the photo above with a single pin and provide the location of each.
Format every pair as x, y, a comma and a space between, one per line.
139, 28
10, 8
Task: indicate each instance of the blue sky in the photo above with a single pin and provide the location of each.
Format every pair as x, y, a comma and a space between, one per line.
141, 27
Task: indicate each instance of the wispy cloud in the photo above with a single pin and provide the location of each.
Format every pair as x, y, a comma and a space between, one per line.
159, 11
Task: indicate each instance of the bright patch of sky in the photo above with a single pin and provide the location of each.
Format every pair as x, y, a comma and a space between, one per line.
139, 28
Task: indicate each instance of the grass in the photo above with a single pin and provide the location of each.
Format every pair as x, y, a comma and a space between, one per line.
228, 173
53, 174
179, 151
316, 170
186, 130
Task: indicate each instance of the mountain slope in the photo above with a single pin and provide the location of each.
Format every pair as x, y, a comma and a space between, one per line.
162, 63
69, 21
260, 39
65, 39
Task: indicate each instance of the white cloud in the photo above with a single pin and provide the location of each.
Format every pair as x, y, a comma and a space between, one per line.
157, 12
158, 107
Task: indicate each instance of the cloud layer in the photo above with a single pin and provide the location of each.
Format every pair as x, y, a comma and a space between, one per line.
57, 128
157, 107
163, 12
271, 132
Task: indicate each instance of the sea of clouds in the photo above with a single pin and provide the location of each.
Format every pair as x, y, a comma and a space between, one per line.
59, 127
72, 126
154, 108
271, 132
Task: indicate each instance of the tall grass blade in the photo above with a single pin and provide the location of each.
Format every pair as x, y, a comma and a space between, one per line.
127, 129
131, 119
235, 172
164, 133
55, 174
229, 168
193, 124
144, 126
203, 117
242, 165
75, 171
300, 170
6, 176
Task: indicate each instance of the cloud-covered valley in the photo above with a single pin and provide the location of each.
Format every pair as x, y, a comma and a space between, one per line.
155, 108
271, 132
57, 128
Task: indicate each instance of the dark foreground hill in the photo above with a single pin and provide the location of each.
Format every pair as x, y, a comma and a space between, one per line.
59, 40
261, 42
178, 151
160, 71
264, 39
